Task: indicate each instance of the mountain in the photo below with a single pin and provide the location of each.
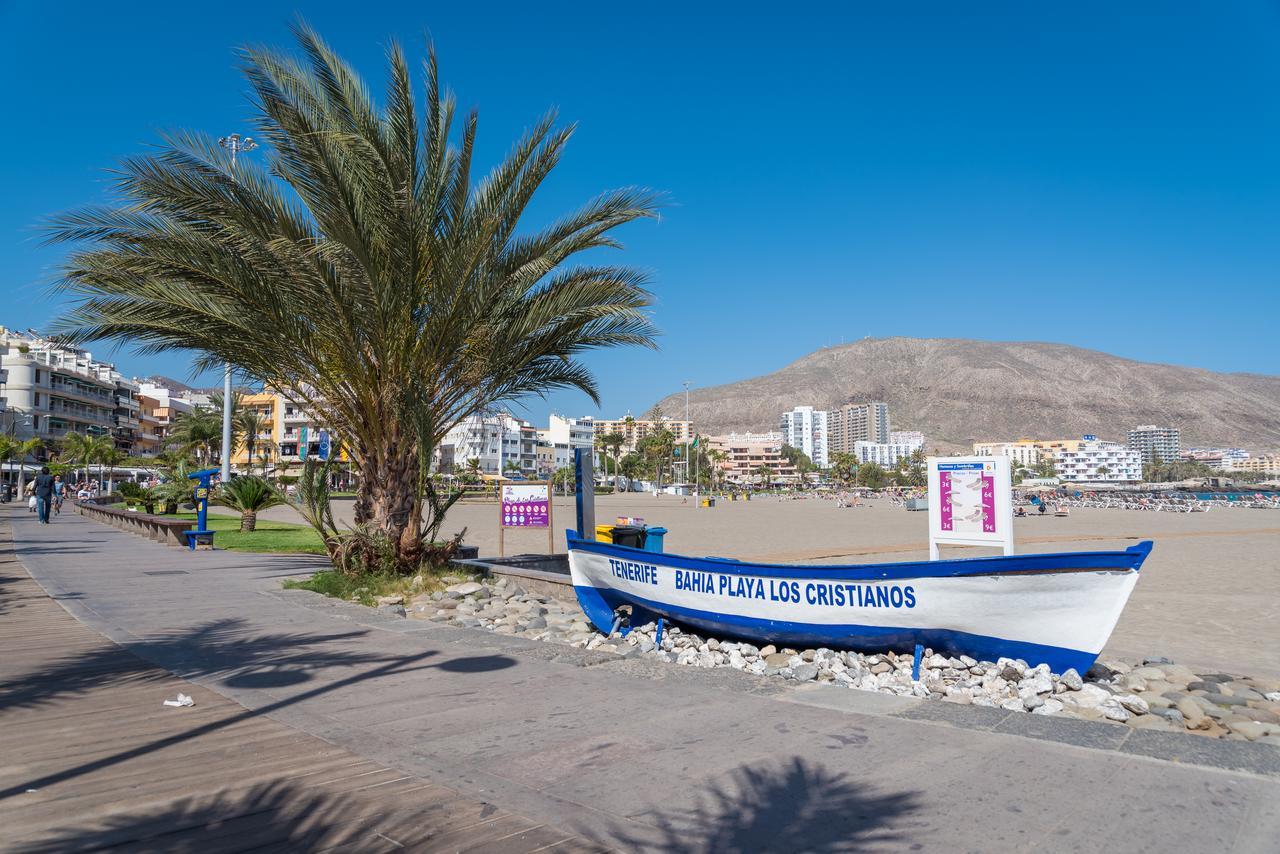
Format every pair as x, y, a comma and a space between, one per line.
958, 391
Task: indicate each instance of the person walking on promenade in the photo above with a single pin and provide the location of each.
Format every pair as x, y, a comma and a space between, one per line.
44, 493
59, 493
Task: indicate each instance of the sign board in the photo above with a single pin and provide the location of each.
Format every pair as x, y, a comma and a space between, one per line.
970, 503
524, 505
323, 450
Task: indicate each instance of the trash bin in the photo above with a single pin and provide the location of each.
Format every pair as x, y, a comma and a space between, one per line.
653, 539
628, 535
708, 502
604, 533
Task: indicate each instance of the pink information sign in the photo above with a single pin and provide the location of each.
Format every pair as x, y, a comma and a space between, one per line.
526, 505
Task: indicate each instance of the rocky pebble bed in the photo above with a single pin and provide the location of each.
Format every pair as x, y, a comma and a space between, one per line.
1154, 694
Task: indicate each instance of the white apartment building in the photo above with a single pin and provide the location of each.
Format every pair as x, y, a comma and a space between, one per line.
51, 390
501, 442
806, 428
1155, 444
1024, 453
885, 454
563, 435
1093, 461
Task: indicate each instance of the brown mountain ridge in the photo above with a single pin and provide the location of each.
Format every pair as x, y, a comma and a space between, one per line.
959, 391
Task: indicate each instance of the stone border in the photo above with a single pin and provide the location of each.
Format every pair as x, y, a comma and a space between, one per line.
1261, 759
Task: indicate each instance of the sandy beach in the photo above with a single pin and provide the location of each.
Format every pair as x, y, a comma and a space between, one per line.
1209, 596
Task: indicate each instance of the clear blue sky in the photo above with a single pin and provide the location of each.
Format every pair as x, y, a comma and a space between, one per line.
1100, 174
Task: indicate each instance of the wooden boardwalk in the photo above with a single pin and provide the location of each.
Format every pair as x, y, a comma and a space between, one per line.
90, 758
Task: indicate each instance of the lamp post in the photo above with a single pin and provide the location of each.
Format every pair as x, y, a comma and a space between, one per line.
686, 441
235, 144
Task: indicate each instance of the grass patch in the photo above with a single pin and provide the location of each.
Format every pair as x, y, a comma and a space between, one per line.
271, 537
365, 589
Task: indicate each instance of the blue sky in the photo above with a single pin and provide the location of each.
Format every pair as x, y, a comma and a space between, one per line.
926, 169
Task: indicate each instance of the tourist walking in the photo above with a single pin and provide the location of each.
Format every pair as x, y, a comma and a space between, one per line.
44, 493
59, 493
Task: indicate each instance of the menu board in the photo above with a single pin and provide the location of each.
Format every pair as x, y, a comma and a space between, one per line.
970, 502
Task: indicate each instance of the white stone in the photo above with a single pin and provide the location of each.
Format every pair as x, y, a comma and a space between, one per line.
1133, 703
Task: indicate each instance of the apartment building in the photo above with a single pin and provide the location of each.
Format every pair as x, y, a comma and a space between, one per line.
1155, 444
1024, 452
500, 442
51, 390
745, 453
857, 422
634, 430
150, 437
563, 435
1268, 464
885, 454
1223, 459
806, 428
1091, 460
266, 444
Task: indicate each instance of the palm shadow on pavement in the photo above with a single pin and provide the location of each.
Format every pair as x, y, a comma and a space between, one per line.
792, 805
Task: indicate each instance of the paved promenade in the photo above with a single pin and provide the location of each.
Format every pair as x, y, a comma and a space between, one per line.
89, 757
637, 754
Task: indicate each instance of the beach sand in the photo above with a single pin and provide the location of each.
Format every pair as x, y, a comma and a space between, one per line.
1208, 597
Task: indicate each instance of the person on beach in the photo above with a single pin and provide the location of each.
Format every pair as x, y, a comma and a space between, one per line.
44, 493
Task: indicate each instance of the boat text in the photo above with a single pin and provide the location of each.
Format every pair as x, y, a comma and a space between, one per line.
837, 594
642, 572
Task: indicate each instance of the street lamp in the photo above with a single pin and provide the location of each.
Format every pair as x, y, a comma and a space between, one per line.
235, 144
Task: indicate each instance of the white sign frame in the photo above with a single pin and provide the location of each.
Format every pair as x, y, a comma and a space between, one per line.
994, 511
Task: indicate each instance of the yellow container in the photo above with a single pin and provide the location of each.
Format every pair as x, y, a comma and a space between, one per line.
604, 533
708, 502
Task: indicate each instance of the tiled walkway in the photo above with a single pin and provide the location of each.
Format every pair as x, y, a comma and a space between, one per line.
90, 757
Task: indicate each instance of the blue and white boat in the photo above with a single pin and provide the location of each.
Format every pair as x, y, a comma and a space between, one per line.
1056, 609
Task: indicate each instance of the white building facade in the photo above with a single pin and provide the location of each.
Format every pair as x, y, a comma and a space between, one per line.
563, 435
1155, 444
885, 454
1094, 461
806, 428
502, 443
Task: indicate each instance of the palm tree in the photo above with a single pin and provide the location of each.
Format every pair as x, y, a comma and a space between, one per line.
110, 457
717, 458
613, 442
78, 450
765, 474
199, 431
248, 494
362, 271
249, 425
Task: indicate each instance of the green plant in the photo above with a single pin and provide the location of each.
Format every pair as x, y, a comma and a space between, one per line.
248, 494
362, 270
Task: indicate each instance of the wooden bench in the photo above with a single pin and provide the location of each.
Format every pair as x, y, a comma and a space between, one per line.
162, 529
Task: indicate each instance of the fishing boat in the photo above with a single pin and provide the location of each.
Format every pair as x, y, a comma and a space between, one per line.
1057, 609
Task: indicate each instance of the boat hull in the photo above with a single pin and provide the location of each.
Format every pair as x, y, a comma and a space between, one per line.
1057, 609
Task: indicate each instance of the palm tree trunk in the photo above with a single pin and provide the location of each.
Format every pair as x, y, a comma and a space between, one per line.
386, 497
248, 521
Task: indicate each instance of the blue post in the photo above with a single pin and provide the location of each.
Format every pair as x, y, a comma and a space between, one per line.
915, 665
201, 499
657, 635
